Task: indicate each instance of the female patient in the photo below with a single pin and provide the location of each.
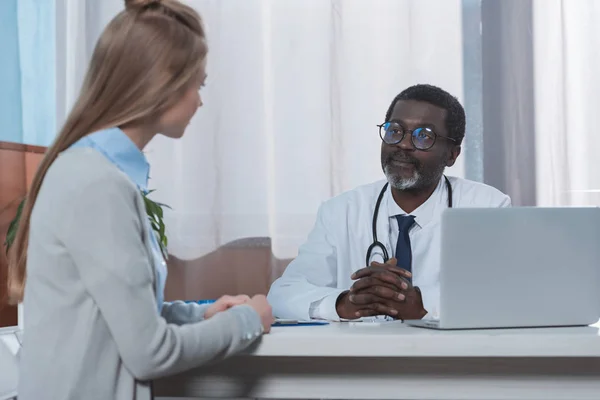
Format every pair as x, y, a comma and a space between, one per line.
96, 326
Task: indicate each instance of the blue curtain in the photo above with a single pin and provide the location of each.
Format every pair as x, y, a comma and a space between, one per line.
11, 128
27, 71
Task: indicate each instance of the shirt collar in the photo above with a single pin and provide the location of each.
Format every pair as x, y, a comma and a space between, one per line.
426, 211
115, 145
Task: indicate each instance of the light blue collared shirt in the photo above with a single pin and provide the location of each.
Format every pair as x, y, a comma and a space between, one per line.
120, 150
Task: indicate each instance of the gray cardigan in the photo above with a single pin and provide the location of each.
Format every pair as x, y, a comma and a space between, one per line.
91, 327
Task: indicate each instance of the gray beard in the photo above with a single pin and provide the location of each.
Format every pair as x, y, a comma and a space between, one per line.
400, 183
416, 181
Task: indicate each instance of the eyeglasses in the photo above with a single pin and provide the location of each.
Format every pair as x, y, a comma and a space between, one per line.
421, 138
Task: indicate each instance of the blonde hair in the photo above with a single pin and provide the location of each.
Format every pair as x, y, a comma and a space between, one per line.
145, 59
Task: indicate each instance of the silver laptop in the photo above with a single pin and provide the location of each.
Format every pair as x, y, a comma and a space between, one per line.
518, 267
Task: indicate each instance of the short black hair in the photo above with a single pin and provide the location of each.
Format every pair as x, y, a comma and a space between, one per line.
455, 113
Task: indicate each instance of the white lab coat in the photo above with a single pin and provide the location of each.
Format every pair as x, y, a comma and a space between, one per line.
337, 246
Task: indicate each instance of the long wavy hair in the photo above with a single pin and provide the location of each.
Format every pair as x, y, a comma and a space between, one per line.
144, 61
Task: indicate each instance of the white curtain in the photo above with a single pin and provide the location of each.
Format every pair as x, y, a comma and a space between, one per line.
294, 91
567, 101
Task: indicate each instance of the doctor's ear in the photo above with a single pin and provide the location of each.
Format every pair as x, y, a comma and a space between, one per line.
453, 155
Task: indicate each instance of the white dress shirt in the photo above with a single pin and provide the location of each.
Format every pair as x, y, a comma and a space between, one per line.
337, 246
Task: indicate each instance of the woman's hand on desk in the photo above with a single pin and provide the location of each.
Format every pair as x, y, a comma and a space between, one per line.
225, 303
263, 308
259, 303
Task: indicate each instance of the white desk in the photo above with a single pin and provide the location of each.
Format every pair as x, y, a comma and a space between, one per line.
394, 361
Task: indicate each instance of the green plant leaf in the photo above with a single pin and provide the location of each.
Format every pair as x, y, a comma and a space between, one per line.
155, 215
161, 229
11, 234
163, 205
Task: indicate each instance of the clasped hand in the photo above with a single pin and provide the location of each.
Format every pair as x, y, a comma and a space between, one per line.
381, 289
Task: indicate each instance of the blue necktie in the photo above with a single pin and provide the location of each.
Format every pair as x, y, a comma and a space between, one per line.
403, 251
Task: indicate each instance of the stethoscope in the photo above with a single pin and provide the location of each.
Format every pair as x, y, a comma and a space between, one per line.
376, 243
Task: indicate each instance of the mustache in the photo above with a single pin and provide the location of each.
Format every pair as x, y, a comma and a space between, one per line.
400, 157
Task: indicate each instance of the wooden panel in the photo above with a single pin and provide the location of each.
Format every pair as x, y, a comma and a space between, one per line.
18, 164
245, 266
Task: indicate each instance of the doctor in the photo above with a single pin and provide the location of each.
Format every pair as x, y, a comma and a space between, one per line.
375, 250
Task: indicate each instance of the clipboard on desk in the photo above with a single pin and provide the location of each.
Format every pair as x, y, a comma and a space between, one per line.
296, 322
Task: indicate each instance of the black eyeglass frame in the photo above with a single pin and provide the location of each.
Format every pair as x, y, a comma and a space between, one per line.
412, 136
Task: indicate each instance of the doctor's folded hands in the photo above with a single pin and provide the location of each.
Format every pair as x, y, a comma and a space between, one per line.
381, 289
